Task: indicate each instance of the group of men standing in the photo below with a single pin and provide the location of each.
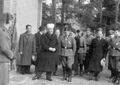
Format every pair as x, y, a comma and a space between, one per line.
47, 49
84, 53
93, 52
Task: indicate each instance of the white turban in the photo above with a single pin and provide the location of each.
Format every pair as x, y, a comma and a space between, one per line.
50, 25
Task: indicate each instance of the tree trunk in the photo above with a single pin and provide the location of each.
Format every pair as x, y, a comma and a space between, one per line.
63, 12
117, 13
54, 11
101, 14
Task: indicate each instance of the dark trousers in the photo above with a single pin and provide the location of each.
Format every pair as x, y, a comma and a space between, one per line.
67, 69
38, 73
56, 68
96, 74
86, 61
24, 69
75, 65
48, 75
115, 74
78, 63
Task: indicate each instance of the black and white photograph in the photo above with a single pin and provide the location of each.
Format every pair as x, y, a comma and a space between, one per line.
59, 42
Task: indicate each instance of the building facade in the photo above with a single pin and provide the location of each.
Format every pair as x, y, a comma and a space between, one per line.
27, 12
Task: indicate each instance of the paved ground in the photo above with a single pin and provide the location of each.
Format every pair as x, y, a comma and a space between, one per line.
18, 79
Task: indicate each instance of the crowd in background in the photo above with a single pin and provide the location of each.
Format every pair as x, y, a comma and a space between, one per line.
80, 53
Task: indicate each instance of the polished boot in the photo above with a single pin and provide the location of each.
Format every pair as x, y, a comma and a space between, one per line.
48, 76
64, 74
117, 82
81, 70
112, 74
115, 76
70, 75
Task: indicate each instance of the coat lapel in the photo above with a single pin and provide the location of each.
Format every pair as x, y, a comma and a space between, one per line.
28, 38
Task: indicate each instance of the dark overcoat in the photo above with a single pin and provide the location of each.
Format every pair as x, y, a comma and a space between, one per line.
58, 57
48, 58
38, 42
38, 48
98, 51
27, 47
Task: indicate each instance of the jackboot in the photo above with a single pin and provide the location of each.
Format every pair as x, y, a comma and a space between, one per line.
70, 75
64, 73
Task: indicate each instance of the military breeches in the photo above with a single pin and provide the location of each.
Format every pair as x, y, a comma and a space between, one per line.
4, 73
67, 61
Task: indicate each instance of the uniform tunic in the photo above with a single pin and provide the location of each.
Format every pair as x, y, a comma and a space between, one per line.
82, 49
5, 55
68, 49
115, 53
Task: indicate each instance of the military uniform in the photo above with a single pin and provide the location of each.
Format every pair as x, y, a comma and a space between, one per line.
68, 49
80, 53
115, 57
5, 55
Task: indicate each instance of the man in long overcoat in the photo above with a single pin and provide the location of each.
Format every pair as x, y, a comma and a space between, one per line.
98, 50
89, 37
38, 36
57, 32
5, 55
48, 52
27, 49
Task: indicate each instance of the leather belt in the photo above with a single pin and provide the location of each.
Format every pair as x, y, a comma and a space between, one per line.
66, 47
